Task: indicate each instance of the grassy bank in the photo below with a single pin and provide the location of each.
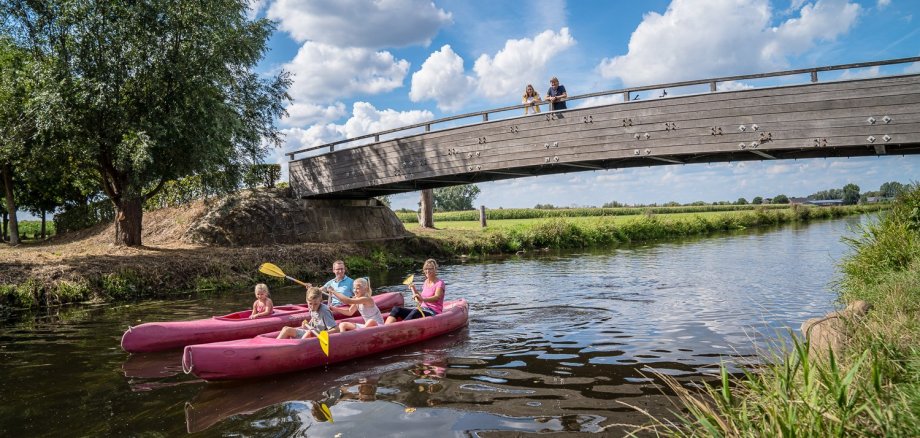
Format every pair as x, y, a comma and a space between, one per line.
511, 236
409, 217
871, 388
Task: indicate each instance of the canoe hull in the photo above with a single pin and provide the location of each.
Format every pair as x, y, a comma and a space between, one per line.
158, 336
264, 355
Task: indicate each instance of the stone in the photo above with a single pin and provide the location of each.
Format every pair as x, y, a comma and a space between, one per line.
832, 331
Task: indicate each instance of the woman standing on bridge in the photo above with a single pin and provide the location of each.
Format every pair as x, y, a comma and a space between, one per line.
532, 99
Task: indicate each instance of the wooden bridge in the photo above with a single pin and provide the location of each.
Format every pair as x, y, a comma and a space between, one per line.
875, 116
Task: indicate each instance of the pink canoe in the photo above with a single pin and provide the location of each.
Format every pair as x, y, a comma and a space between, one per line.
156, 336
264, 355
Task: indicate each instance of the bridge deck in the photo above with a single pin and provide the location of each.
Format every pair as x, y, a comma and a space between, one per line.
879, 116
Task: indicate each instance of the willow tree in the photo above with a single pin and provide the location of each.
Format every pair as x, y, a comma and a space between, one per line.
152, 90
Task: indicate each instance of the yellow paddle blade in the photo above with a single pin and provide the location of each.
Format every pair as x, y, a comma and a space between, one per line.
409, 279
323, 337
271, 269
326, 412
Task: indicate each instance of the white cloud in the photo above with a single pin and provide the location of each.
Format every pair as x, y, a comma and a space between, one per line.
733, 86
599, 101
503, 76
520, 61
912, 68
779, 169
366, 119
360, 23
882, 4
704, 38
255, 7
861, 73
323, 72
301, 114
442, 79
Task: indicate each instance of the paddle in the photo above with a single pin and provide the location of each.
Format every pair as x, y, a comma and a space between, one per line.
323, 338
275, 271
326, 412
418, 305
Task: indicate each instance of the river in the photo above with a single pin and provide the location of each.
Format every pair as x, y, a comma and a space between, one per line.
556, 342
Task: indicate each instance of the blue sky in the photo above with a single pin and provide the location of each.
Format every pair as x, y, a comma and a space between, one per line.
365, 66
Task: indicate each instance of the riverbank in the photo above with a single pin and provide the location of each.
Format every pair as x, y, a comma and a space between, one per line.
85, 266
869, 388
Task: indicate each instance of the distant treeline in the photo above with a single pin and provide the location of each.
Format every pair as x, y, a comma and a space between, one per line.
530, 213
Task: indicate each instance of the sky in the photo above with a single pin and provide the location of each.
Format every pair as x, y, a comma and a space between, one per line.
363, 66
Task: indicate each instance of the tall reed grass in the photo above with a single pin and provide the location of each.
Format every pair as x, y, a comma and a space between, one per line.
870, 388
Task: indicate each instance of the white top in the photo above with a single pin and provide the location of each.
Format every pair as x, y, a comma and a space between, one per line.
370, 312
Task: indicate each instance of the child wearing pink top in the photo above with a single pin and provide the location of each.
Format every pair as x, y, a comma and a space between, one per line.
431, 300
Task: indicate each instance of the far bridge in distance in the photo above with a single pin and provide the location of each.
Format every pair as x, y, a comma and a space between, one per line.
842, 118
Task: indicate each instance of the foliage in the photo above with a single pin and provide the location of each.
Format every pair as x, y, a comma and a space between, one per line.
80, 216
455, 198
850, 194
757, 200
741, 201
262, 175
780, 199
33, 229
146, 92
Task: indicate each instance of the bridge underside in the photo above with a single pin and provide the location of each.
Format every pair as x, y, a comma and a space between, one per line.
839, 119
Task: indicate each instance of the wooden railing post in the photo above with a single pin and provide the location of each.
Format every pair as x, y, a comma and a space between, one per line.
482, 216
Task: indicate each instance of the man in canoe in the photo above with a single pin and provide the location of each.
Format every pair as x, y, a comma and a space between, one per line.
342, 283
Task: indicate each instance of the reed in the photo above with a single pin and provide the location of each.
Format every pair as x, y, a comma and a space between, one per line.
871, 388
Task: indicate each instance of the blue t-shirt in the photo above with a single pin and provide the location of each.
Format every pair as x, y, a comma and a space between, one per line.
559, 104
344, 287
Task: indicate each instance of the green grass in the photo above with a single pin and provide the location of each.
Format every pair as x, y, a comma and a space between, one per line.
33, 229
509, 236
532, 213
871, 388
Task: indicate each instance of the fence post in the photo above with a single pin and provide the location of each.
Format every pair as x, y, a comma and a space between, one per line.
482, 216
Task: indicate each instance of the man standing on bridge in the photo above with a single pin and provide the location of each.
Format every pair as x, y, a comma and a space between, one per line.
556, 95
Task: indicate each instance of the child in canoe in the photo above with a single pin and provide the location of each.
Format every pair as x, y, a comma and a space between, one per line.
262, 306
430, 301
320, 318
362, 302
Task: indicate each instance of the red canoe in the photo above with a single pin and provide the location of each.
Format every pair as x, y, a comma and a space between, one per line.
264, 355
156, 336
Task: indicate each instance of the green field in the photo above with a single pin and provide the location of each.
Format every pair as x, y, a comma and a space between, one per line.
33, 229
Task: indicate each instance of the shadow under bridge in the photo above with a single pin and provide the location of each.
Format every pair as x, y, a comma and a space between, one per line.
875, 116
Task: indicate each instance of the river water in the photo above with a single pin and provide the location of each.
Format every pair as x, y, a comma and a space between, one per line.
556, 342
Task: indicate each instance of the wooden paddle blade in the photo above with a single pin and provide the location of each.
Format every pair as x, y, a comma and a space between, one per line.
326, 412
271, 269
409, 279
323, 337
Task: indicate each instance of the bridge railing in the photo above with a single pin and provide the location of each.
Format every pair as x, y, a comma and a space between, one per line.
625, 92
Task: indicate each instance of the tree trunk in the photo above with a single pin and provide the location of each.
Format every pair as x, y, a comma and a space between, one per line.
129, 215
426, 209
6, 220
43, 224
6, 172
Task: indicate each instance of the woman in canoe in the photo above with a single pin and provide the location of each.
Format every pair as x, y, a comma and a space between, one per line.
362, 302
262, 306
431, 300
321, 318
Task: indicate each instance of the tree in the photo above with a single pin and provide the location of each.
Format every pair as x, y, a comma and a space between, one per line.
891, 189
850, 194
426, 209
147, 92
757, 200
741, 201
455, 198
16, 126
780, 199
